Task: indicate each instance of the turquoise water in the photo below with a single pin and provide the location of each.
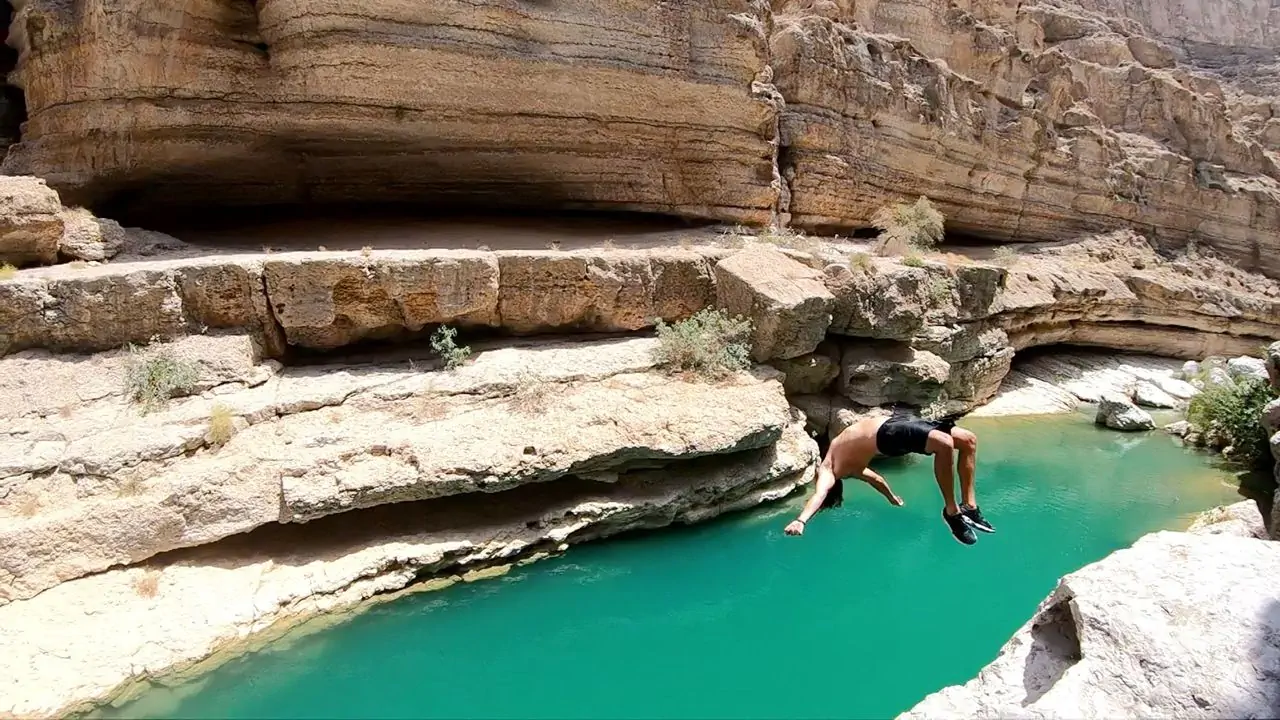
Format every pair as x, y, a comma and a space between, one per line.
872, 609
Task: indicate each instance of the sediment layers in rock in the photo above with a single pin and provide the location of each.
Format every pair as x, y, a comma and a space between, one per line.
178, 609
93, 486
598, 104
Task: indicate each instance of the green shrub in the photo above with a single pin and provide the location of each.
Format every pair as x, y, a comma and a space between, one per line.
904, 227
939, 290
913, 261
1234, 411
152, 381
710, 344
442, 342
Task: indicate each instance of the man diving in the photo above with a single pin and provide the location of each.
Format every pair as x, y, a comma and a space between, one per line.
902, 433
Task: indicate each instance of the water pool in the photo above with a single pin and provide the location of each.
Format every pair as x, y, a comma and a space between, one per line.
872, 609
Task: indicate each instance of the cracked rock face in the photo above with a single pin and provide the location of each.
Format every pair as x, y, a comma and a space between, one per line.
1023, 121
1142, 633
85, 486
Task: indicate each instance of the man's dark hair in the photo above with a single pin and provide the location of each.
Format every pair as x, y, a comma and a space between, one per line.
835, 497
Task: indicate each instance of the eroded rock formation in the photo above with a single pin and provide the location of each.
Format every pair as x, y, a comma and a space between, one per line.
1141, 634
1024, 121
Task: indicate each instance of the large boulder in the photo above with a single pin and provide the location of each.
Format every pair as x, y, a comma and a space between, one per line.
1141, 633
787, 302
1247, 367
1148, 394
1118, 413
31, 223
881, 372
86, 237
1273, 364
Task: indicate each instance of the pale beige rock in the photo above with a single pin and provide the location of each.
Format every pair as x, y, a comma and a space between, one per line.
787, 303
209, 599
1117, 412
85, 237
1140, 634
601, 291
325, 301
652, 108
1241, 519
318, 441
878, 372
30, 222
1273, 364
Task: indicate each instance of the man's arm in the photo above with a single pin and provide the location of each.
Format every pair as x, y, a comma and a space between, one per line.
826, 479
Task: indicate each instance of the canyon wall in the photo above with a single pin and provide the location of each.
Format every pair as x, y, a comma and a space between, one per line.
1023, 122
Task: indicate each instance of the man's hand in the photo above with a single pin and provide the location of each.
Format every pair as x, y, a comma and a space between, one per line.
795, 528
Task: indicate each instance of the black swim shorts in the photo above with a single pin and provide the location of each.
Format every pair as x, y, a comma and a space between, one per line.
903, 433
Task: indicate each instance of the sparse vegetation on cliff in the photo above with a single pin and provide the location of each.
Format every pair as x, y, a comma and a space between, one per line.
710, 344
908, 226
913, 260
1005, 255
152, 381
445, 345
221, 424
1232, 413
861, 262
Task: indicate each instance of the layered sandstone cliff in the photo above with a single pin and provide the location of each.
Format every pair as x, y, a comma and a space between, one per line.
1023, 121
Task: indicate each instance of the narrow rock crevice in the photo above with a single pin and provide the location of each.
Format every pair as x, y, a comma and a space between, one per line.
1055, 649
13, 104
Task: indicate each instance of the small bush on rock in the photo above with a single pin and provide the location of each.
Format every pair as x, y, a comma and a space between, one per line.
709, 343
904, 227
7, 271
153, 380
1006, 255
444, 345
221, 424
861, 262
1233, 412
913, 261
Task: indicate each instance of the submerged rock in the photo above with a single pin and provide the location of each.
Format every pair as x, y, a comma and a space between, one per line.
1179, 625
1118, 413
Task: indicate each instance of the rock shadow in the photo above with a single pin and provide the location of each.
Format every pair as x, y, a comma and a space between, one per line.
1264, 655
1055, 647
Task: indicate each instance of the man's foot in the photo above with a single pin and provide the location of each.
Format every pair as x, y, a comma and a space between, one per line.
959, 527
973, 516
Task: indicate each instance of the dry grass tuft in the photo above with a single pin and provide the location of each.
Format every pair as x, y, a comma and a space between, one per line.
861, 262
28, 505
148, 584
222, 424
532, 394
8, 272
1006, 255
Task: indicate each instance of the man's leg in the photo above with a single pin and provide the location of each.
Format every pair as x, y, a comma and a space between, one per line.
942, 448
966, 446
875, 480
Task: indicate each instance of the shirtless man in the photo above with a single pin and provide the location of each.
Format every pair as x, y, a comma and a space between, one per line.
896, 436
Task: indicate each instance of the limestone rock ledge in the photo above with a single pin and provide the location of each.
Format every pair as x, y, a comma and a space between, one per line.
86, 488
149, 620
1178, 625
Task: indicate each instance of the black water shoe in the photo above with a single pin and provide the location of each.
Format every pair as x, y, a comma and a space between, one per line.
973, 516
959, 527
